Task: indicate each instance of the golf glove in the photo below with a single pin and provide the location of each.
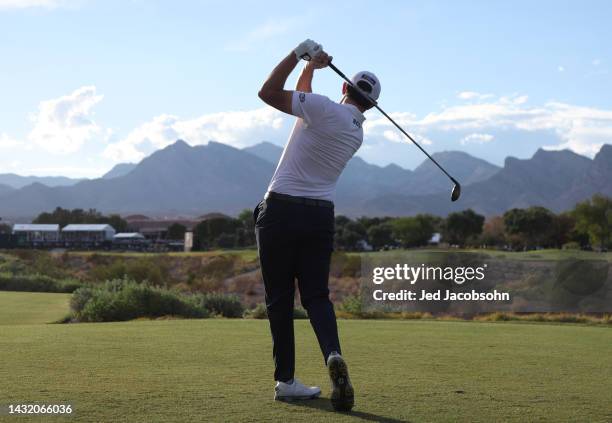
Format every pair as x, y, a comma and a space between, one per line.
307, 50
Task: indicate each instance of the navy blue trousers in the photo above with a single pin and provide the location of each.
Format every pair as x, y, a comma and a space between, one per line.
295, 241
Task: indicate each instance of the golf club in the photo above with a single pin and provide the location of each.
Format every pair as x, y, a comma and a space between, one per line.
456, 192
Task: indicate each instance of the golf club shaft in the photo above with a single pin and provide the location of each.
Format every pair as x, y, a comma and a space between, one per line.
343, 76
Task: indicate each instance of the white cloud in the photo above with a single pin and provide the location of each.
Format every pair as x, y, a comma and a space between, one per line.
392, 135
261, 33
581, 129
561, 68
6, 142
395, 136
520, 99
472, 95
64, 124
239, 129
25, 4
422, 139
476, 138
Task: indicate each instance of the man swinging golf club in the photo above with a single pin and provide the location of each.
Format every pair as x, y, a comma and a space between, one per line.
295, 221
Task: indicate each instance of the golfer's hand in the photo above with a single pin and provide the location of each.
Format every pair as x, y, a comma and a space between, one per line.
320, 61
307, 50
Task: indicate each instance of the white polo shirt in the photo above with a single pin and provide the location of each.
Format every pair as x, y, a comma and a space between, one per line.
324, 138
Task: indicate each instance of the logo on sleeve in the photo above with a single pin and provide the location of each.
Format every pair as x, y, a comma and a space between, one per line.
302, 97
356, 123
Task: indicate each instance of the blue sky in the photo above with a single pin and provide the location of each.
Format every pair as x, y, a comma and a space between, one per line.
88, 84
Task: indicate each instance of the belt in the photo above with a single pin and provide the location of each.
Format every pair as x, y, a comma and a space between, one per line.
298, 200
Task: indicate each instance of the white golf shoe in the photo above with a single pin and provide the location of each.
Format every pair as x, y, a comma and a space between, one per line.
295, 391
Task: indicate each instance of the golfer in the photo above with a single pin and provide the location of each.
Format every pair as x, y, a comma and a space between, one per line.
294, 224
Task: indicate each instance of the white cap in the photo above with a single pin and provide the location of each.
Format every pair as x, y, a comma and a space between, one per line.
364, 80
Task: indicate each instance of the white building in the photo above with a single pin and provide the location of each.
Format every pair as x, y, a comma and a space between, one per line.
436, 238
36, 232
88, 233
129, 236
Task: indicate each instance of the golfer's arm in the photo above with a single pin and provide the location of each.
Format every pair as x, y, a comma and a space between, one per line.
304, 82
273, 90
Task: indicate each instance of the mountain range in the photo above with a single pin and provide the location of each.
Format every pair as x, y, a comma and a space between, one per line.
185, 180
15, 181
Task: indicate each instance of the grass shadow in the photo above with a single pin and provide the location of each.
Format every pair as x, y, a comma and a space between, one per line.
324, 404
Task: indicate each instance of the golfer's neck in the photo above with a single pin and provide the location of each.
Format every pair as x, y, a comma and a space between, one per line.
346, 100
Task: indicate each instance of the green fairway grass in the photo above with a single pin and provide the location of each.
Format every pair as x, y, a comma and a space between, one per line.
32, 307
221, 370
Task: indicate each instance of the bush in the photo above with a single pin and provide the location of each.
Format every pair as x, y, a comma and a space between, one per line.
124, 299
351, 305
259, 312
300, 313
220, 267
140, 270
37, 261
80, 297
36, 283
221, 304
545, 317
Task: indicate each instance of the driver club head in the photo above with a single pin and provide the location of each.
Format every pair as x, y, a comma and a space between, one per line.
456, 193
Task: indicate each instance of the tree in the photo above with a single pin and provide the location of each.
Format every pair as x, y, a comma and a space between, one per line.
493, 232
176, 231
368, 222
413, 231
115, 221
594, 217
207, 232
462, 226
561, 230
246, 233
225, 240
341, 220
64, 217
380, 235
349, 234
529, 227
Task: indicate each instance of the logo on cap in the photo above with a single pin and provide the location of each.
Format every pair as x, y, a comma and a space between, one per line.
368, 78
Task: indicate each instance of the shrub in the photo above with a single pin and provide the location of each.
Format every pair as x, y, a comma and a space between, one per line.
221, 304
36, 283
140, 270
352, 305
80, 297
300, 313
259, 312
219, 267
246, 283
545, 317
125, 299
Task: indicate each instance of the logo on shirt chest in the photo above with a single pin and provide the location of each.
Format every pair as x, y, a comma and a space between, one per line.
356, 123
